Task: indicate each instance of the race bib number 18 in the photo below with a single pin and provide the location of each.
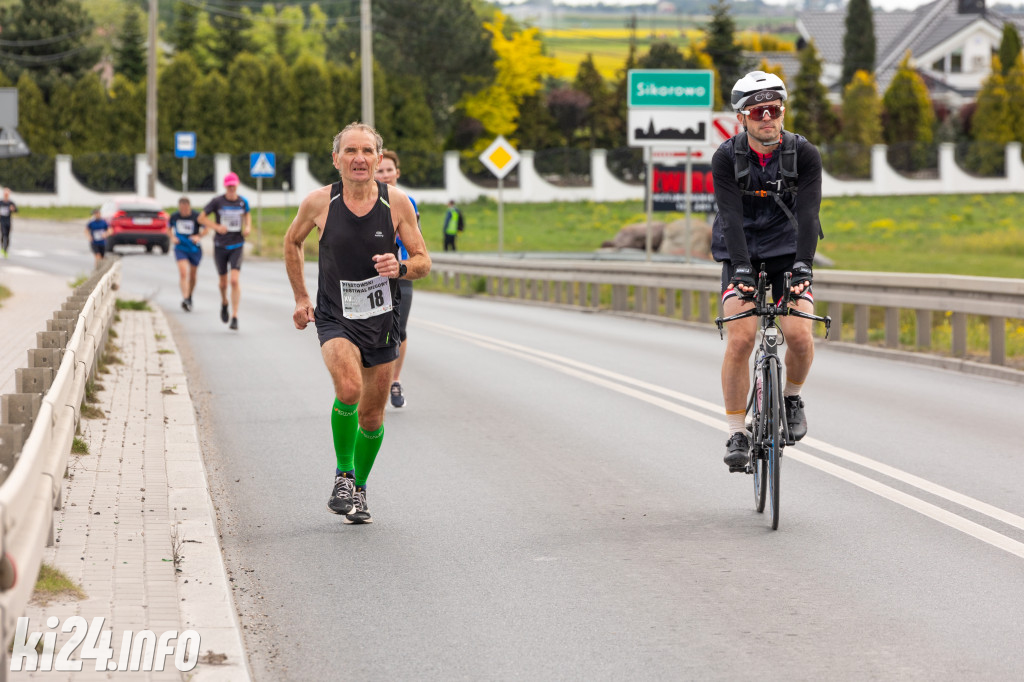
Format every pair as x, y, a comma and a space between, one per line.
368, 298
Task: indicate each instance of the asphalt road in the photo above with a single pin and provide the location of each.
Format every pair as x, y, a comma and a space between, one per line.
552, 503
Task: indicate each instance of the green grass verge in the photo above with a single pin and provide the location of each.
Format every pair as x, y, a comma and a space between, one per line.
54, 584
4, 293
123, 304
79, 447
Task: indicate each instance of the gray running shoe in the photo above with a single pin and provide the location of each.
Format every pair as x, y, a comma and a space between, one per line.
341, 501
397, 399
360, 512
224, 317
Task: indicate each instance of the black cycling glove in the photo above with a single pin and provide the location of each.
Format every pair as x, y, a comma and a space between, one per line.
801, 273
743, 274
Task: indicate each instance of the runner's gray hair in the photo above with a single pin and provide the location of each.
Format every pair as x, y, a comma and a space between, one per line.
356, 125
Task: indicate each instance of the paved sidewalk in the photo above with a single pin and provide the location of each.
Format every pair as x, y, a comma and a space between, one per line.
137, 531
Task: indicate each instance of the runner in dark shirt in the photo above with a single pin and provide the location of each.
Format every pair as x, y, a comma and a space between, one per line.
185, 232
356, 314
228, 216
7, 207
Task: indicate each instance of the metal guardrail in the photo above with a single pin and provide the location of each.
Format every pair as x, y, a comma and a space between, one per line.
687, 291
37, 426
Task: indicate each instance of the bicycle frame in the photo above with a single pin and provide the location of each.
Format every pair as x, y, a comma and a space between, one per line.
770, 430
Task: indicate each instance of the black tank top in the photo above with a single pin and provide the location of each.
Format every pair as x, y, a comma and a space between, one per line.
347, 247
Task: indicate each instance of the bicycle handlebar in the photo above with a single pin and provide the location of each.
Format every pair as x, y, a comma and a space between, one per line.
764, 308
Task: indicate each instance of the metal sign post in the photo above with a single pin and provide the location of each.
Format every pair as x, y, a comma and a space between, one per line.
500, 158
689, 198
261, 165
667, 108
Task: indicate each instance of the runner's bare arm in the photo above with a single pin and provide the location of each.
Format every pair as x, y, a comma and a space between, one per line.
247, 223
207, 222
312, 209
404, 217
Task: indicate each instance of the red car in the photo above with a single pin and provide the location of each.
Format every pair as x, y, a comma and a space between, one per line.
136, 220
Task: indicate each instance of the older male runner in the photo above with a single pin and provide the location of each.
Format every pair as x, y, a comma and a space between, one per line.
356, 311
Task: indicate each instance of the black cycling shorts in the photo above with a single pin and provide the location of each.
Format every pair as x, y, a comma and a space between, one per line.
775, 267
404, 306
223, 257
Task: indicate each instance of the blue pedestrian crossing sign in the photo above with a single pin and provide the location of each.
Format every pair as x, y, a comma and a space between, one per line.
262, 164
185, 145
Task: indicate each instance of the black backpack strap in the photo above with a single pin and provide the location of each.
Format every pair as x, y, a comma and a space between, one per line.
740, 160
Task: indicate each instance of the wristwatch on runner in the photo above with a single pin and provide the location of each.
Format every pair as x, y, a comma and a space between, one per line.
402, 270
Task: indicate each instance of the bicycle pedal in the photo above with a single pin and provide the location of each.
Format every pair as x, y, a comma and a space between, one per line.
745, 469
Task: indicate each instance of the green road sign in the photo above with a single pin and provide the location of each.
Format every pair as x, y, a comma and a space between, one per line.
671, 88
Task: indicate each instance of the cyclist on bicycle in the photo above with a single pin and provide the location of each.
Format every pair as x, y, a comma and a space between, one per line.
768, 188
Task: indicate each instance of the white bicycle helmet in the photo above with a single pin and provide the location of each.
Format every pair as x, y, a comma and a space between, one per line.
755, 88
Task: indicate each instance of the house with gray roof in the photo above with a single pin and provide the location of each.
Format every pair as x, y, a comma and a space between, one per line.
951, 44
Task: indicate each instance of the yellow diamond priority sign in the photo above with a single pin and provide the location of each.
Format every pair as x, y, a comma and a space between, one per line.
500, 157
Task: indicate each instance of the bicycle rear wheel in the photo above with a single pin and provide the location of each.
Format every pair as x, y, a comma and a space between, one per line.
773, 438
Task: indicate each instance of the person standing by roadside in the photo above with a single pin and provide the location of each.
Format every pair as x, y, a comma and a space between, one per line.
7, 207
96, 230
356, 315
183, 228
388, 172
451, 225
228, 215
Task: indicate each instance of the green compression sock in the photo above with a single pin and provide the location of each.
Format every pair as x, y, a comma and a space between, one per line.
344, 422
367, 447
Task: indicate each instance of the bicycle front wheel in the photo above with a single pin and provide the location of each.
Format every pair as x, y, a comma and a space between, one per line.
759, 424
773, 438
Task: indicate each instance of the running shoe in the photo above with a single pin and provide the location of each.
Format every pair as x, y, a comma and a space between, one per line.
234, 323
4, 252
224, 313
360, 512
341, 497
397, 399
737, 447
186, 305
796, 417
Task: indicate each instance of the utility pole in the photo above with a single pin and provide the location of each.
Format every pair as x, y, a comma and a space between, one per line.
366, 58
151, 103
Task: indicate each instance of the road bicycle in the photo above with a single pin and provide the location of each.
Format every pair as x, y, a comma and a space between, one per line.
767, 424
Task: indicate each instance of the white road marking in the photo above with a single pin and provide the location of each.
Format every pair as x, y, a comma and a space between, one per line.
615, 382
28, 253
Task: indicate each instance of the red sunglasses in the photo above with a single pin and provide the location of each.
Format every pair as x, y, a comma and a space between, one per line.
758, 113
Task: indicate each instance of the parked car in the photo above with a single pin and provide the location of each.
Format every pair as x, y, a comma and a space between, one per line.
136, 220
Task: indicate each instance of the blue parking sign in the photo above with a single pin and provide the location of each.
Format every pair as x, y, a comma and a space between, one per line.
262, 164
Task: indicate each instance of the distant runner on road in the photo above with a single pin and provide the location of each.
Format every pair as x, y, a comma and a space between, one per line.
228, 215
357, 307
183, 227
7, 207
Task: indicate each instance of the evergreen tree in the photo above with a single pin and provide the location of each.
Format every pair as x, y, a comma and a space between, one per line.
176, 97
859, 40
47, 38
416, 138
1009, 47
862, 125
89, 128
242, 130
909, 116
725, 52
569, 109
213, 108
230, 40
812, 114
991, 125
63, 115
314, 122
537, 128
282, 101
620, 99
183, 31
662, 55
1015, 91
442, 43
35, 120
131, 48
598, 120
128, 130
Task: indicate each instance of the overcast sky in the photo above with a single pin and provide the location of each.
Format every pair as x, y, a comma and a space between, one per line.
883, 4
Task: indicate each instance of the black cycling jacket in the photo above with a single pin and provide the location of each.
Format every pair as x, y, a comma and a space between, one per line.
748, 228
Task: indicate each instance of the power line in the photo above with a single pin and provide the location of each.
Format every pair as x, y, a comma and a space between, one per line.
42, 59
44, 41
